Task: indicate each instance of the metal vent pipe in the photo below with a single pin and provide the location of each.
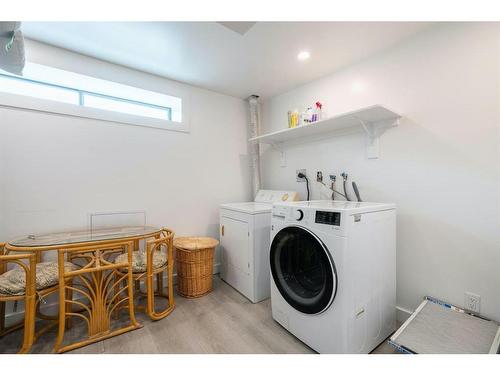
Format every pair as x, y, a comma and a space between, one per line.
254, 149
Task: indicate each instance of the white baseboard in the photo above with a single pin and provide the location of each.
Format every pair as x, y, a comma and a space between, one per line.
52, 308
402, 314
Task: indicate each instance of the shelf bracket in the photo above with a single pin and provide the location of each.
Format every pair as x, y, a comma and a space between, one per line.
373, 132
367, 127
372, 139
281, 149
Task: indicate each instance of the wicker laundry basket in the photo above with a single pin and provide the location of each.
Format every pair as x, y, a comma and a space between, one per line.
194, 257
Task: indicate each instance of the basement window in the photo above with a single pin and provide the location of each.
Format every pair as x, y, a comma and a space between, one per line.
58, 91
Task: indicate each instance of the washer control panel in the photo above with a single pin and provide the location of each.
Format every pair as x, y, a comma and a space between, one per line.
307, 216
328, 218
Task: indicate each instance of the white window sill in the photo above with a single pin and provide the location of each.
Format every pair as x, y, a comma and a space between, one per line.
49, 106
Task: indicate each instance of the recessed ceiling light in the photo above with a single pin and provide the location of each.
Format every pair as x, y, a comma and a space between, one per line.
304, 55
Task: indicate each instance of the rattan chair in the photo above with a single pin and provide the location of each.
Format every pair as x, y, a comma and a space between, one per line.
157, 260
31, 282
25, 283
97, 290
28, 295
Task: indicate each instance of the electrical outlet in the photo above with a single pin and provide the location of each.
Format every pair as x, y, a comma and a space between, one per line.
319, 176
473, 302
303, 171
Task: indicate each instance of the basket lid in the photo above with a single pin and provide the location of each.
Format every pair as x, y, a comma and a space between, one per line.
195, 243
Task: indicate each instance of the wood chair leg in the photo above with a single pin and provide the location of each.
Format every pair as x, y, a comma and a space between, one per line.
150, 293
130, 292
170, 280
151, 301
151, 247
29, 324
62, 306
69, 305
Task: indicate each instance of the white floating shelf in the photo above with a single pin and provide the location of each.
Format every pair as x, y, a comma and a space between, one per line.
374, 120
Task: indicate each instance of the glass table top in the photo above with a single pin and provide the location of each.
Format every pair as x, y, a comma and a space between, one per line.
74, 237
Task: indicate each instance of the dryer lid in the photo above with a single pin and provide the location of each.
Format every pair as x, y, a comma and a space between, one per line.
248, 207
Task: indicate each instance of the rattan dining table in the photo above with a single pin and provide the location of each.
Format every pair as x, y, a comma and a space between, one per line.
94, 279
78, 238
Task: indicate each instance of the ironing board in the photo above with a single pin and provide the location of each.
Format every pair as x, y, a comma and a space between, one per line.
437, 327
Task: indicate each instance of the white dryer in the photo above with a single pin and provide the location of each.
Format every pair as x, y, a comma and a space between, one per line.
244, 238
333, 267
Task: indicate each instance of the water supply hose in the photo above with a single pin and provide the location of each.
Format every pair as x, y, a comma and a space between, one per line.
356, 191
332, 190
344, 176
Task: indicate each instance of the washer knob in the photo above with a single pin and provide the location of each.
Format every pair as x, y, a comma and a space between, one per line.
299, 215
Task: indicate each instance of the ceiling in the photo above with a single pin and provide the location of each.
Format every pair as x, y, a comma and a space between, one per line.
239, 60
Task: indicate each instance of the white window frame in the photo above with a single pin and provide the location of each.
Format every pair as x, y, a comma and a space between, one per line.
9, 100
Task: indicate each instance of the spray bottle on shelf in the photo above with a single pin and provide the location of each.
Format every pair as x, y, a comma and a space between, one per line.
318, 112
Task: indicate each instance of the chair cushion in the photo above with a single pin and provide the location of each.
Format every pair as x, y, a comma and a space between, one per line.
13, 282
139, 260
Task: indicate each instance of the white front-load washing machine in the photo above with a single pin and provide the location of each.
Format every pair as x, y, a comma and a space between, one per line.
333, 273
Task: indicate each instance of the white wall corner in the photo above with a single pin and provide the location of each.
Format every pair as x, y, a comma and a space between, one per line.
402, 314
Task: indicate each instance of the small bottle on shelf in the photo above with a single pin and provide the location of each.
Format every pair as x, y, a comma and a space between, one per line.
295, 118
309, 115
319, 111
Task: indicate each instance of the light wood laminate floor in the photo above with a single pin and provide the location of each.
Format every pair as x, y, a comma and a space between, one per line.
222, 322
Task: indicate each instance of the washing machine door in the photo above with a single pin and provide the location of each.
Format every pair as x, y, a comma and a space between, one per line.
303, 270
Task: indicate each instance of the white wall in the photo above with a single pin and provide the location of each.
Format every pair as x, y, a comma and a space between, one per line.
441, 165
55, 170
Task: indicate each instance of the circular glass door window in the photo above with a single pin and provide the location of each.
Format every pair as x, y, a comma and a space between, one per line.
303, 270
